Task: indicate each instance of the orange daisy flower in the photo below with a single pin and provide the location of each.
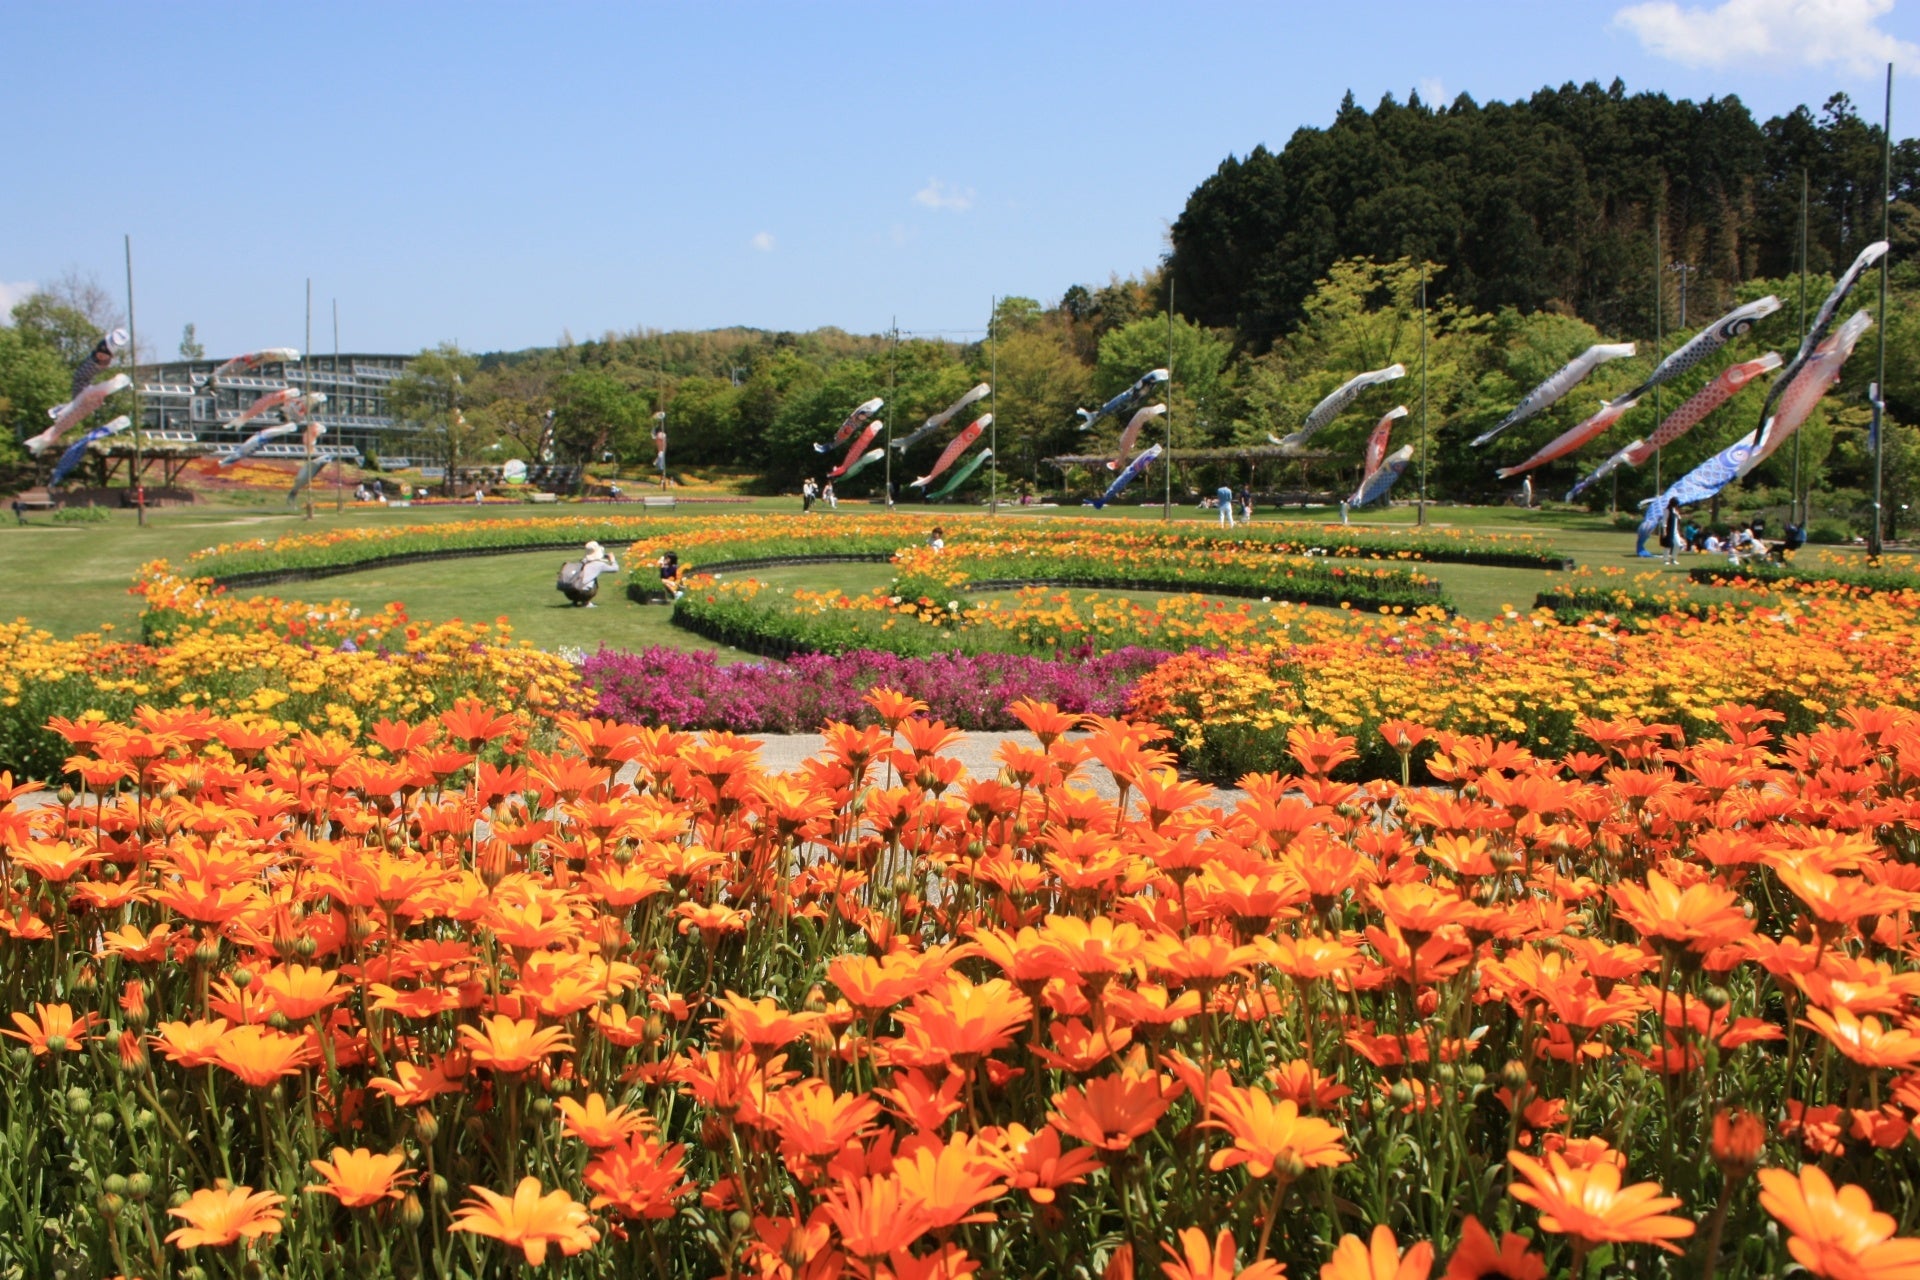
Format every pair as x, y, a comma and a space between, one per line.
1478, 1258
513, 1045
1378, 1259
528, 1220
1196, 1259
52, 1029
1590, 1205
261, 1055
360, 1178
219, 1216
1836, 1232
1270, 1135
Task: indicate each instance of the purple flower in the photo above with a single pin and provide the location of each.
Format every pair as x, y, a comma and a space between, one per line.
691, 690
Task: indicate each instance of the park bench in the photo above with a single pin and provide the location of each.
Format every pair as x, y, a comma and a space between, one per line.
650, 501
32, 500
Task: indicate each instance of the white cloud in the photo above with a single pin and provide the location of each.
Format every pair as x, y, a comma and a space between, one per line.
12, 293
763, 241
938, 195
1808, 33
1432, 91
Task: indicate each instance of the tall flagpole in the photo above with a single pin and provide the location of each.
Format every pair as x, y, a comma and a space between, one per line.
1421, 518
1794, 511
1659, 322
993, 405
306, 394
1166, 502
135, 488
339, 462
893, 361
1877, 544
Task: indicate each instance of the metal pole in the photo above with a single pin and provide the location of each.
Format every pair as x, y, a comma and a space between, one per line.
1878, 544
1794, 508
306, 392
137, 490
339, 465
1421, 517
1659, 332
893, 361
1166, 501
993, 405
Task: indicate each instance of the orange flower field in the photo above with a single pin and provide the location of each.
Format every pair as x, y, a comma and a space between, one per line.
437, 1001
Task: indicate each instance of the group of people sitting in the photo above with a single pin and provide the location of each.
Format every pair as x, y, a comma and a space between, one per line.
1749, 542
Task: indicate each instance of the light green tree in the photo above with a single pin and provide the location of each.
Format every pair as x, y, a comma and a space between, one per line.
431, 394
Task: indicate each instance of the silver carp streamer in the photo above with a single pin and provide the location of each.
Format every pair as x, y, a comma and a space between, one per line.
1605, 469
1817, 332
964, 474
251, 445
1338, 399
855, 420
1381, 482
1709, 340
1815, 379
1135, 469
1730, 381
304, 476
1142, 388
78, 449
1565, 378
943, 417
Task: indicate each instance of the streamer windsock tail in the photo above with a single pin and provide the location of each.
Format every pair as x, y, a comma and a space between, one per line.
1381, 482
304, 476
1335, 401
1728, 383
265, 404
251, 445
951, 454
1605, 469
76, 411
1817, 332
864, 461
78, 449
1698, 485
1572, 439
964, 474
1134, 470
855, 420
251, 362
1707, 341
1142, 387
1377, 442
943, 417
849, 463
1564, 379
1132, 433
1814, 380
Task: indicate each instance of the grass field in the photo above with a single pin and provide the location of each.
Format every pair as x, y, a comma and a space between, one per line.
72, 578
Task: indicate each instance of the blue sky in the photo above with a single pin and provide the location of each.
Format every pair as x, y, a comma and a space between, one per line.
495, 174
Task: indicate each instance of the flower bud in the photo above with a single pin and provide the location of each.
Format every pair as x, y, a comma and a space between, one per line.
412, 1214
115, 1185
739, 1221
1716, 997
103, 1122
426, 1126
78, 1099
1514, 1075
139, 1186
439, 1187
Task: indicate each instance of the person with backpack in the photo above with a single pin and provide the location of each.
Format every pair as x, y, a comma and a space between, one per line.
579, 580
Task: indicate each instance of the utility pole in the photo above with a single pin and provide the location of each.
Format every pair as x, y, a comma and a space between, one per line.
1420, 519
993, 405
136, 489
1878, 544
1166, 501
1684, 270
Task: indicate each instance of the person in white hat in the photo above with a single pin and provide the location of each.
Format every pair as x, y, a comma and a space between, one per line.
579, 579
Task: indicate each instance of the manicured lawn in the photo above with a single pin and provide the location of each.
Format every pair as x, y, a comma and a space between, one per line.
74, 578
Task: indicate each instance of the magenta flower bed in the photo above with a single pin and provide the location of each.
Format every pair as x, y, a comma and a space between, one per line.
689, 690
